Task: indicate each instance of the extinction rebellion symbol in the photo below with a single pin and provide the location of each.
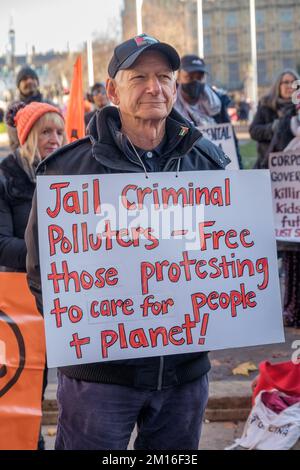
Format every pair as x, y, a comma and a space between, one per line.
13, 347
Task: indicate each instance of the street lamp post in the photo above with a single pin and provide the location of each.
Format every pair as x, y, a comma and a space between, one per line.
139, 18
89, 46
200, 28
253, 55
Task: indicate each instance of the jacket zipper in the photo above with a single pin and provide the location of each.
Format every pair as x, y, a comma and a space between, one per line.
167, 164
160, 372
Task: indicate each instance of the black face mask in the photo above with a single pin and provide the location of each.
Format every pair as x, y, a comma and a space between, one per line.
193, 89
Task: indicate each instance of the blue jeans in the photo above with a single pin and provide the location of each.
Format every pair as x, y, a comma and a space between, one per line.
96, 416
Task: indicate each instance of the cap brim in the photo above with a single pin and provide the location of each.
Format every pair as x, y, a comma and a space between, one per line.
194, 68
168, 51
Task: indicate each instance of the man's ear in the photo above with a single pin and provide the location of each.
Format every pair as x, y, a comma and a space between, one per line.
174, 92
111, 91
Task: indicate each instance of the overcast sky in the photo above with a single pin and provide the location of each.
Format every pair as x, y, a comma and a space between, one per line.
52, 24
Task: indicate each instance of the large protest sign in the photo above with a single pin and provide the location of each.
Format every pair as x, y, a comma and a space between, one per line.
22, 362
285, 177
222, 136
135, 267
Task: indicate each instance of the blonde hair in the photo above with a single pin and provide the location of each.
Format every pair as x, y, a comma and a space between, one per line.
29, 149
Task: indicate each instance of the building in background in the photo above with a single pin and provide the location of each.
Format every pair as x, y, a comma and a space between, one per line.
226, 25
11, 63
54, 69
11, 46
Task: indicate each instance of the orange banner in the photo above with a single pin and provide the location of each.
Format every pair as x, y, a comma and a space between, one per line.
75, 110
22, 361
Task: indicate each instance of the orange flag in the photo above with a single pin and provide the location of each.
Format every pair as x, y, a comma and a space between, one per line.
75, 127
22, 361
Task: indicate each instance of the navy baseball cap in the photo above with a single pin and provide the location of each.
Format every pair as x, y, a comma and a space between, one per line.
192, 63
126, 54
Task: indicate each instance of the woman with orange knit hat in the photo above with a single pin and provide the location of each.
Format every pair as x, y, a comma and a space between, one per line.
41, 130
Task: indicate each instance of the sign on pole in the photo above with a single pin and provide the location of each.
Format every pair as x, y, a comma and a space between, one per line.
285, 177
200, 29
253, 53
139, 16
134, 267
222, 136
90, 61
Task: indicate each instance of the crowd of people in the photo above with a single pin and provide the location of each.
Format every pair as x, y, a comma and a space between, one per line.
134, 119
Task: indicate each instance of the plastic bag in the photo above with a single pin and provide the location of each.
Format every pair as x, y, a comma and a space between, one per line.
267, 430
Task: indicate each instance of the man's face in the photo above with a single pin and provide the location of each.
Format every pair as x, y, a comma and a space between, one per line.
147, 91
28, 86
188, 77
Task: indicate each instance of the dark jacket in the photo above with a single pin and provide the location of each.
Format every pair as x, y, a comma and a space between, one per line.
283, 134
261, 130
88, 116
102, 152
266, 129
16, 192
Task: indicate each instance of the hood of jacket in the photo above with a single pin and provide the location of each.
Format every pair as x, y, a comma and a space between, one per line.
105, 130
105, 144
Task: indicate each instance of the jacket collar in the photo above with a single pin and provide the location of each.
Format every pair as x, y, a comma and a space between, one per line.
29, 99
108, 142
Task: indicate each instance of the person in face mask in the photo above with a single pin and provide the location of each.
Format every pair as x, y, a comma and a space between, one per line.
196, 100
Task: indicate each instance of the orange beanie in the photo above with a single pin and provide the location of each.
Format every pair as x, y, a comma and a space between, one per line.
26, 117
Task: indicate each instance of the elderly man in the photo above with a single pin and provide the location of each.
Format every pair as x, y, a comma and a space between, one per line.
100, 403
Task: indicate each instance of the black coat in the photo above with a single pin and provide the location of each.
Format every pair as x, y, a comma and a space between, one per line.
270, 140
88, 116
102, 153
16, 192
283, 134
261, 130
